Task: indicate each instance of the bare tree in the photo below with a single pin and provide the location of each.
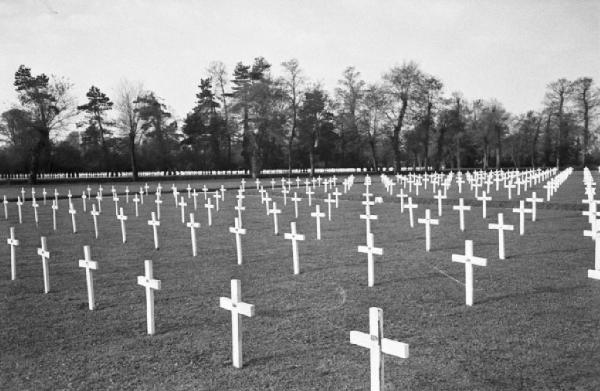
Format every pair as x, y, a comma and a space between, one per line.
557, 95
218, 74
128, 119
293, 81
403, 84
586, 100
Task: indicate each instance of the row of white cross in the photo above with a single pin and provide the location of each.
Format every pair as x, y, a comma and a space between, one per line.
374, 340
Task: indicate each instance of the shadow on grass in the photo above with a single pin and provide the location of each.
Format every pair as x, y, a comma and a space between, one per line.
535, 291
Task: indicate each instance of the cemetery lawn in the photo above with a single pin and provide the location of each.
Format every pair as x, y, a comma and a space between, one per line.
534, 324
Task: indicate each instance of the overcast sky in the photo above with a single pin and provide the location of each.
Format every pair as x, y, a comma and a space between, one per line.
507, 50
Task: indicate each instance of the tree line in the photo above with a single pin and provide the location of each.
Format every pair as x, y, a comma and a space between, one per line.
253, 119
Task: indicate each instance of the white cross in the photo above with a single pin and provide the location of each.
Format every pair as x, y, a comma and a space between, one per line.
209, 208
402, 196
122, 217
239, 209
238, 230
44, 194
461, 212
594, 233
155, 224
274, 211
158, 201
83, 201
378, 345
501, 227
285, 192
337, 195
317, 214
237, 308
223, 190
329, 201
510, 186
309, 193
13, 242
192, 225
182, 204
19, 204
534, 200
217, 196
294, 237
267, 199
484, 199
521, 211
45, 254
368, 217
73, 212
195, 196
35, 206
189, 189
116, 201
439, 198
127, 194
369, 249
428, 221
151, 284
469, 260
5, 202
136, 201
205, 191
89, 265
175, 193
95, 214
296, 199
99, 199
410, 206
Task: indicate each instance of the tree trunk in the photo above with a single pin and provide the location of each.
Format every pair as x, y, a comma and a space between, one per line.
458, 165
134, 169
535, 141
586, 130
426, 141
396, 136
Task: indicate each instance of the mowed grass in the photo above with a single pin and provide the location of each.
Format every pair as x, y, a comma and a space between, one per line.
534, 324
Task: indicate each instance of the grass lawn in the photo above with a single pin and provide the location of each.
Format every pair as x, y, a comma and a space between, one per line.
534, 324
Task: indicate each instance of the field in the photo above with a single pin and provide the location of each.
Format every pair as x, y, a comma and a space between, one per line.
534, 324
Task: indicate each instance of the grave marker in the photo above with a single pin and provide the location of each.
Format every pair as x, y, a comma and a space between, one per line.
469, 260
192, 225
89, 265
151, 284
13, 242
155, 224
123, 218
378, 345
461, 211
428, 221
317, 214
95, 215
370, 249
238, 230
501, 227
237, 308
294, 237
45, 254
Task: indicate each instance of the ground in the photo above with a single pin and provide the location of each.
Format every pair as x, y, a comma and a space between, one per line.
534, 324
